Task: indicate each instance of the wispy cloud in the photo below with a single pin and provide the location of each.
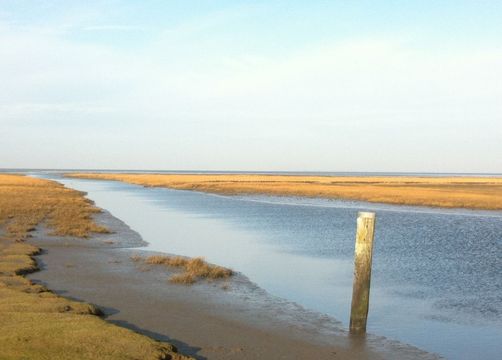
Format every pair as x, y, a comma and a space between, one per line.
203, 93
112, 27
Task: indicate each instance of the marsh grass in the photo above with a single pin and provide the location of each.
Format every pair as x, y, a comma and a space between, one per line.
449, 192
36, 323
193, 269
27, 202
184, 279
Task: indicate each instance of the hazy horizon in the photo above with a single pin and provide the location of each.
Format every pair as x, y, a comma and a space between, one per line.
315, 86
223, 171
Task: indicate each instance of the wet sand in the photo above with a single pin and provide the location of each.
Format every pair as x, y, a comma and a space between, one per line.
219, 320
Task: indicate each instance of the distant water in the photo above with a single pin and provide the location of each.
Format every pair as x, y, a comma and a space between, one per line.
299, 173
437, 274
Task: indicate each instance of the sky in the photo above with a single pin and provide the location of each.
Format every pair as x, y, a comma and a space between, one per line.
405, 86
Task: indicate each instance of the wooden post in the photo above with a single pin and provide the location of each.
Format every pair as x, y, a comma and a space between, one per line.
362, 272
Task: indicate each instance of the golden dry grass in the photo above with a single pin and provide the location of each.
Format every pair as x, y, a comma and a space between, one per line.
193, 269
449, 192
35, 323
26, 202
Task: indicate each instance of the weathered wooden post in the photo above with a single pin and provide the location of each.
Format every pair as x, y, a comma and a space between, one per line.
362, 272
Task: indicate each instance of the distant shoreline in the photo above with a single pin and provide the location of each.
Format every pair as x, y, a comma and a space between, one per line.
479, 193
259, 172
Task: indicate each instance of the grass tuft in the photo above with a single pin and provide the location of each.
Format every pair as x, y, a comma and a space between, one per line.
184, 278
193, 269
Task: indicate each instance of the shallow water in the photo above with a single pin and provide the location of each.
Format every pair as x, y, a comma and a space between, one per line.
436, 281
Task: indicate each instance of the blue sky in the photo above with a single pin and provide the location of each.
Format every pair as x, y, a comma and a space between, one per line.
252, 85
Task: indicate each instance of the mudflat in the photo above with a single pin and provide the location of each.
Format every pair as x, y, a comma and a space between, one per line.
449, 192
221, 319
52, 237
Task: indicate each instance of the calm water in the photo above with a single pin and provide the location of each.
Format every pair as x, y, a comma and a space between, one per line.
436, 281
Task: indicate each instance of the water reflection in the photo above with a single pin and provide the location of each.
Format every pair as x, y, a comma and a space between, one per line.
436, 279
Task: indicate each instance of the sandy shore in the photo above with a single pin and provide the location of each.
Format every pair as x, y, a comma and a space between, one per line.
206, 320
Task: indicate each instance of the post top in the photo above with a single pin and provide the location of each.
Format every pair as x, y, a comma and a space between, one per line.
366, 214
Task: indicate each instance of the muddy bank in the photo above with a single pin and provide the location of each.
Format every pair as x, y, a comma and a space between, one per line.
217, 320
